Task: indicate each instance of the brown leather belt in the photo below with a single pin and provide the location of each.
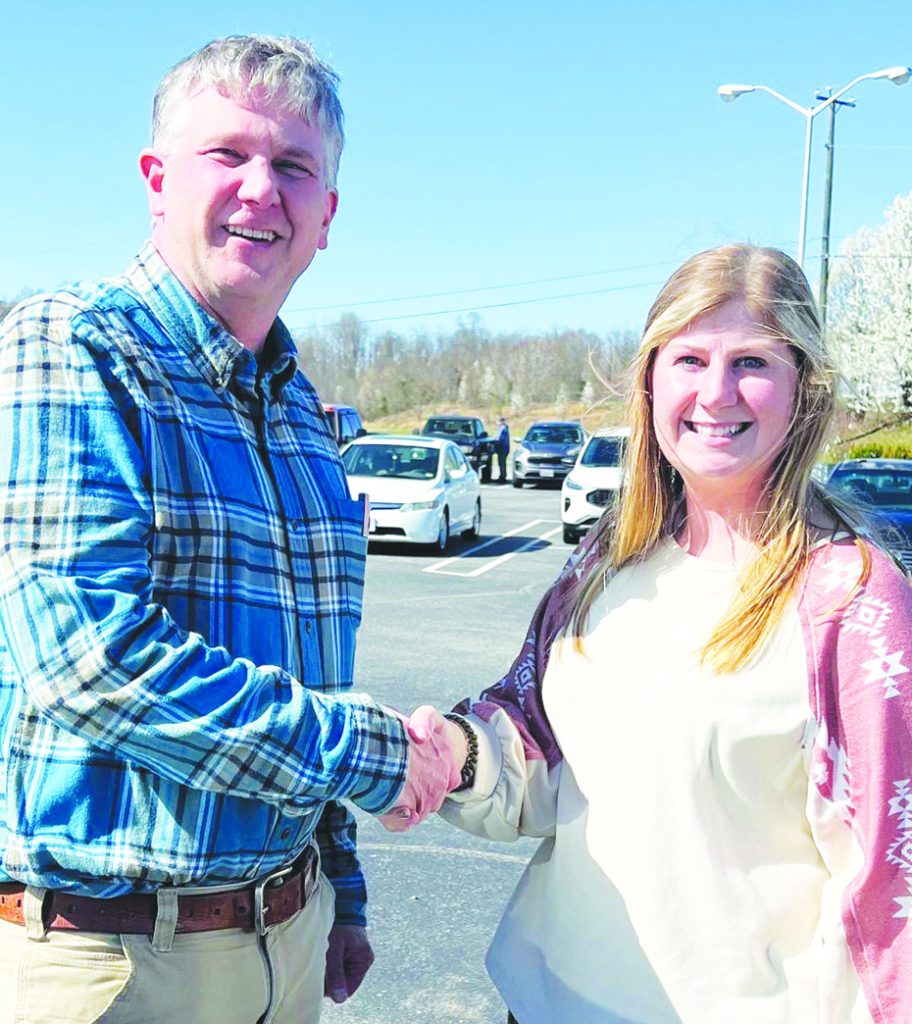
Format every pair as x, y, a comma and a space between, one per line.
258, 905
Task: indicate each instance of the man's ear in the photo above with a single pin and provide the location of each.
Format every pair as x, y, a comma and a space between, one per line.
152, 168
332, 204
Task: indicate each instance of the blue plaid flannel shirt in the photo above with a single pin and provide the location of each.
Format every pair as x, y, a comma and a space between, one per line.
181, 575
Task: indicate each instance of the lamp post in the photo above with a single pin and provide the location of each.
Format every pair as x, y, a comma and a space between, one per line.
898, 75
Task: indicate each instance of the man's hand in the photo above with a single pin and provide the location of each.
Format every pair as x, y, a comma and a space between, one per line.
348, 958
437, 752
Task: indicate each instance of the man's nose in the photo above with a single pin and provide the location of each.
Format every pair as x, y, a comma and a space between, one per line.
258, 183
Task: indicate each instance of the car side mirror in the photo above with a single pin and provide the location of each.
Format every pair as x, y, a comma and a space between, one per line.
360, 432
483, 434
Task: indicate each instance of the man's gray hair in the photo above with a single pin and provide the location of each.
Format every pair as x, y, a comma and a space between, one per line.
281, 70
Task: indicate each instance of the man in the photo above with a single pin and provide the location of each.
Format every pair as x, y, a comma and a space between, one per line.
502, 448
181, 571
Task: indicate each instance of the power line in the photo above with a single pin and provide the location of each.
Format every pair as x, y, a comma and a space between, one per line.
482, 288
502, 305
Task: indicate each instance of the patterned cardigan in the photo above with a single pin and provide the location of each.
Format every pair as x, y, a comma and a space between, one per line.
859, 662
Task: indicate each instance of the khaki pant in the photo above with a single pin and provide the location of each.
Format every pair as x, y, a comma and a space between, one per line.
219, 977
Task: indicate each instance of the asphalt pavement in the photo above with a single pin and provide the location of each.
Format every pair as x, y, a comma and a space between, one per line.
436, 629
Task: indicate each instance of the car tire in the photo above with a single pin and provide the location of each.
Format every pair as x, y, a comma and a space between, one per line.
570, 535
517, 483
443, 533
474, 530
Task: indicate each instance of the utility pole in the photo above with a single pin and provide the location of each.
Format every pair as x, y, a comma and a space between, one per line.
828, 202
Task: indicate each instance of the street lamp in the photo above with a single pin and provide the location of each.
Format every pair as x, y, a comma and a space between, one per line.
898, 75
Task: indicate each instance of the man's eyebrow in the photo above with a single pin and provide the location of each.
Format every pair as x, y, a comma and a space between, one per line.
298, 153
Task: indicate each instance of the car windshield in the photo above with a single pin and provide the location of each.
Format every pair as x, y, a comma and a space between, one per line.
443, 426
604, 451
874, 486
554, 435
412, 462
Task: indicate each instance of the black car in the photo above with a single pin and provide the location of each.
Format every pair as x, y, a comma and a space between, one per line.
884, 488
547, 452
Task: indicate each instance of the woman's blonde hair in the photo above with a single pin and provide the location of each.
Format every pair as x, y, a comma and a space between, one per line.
778, 298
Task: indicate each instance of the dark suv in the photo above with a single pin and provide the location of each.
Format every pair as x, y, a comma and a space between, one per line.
469, 433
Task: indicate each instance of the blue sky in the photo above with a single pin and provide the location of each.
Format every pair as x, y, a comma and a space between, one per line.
580, 147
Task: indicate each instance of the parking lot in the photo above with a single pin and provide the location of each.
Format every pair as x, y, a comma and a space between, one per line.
435, 630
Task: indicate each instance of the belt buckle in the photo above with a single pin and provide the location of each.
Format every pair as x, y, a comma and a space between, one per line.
259, 898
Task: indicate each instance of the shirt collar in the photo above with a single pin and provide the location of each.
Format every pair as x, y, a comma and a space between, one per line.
216, 353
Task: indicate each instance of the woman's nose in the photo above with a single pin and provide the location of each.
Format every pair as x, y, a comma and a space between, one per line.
718, 386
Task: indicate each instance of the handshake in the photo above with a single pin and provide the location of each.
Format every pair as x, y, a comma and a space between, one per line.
438, 749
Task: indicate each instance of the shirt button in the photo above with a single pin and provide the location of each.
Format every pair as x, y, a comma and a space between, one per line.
286, 832
307, 626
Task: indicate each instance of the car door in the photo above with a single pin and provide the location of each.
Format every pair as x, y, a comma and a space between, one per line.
459, 475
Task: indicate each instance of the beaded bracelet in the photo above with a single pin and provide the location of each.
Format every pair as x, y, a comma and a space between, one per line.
467, 776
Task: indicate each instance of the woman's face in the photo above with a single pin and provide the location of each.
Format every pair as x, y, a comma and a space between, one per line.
723, 392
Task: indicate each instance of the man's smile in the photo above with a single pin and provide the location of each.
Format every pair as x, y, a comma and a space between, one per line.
253, 234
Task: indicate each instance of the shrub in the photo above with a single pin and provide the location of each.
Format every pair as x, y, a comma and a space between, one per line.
880, 450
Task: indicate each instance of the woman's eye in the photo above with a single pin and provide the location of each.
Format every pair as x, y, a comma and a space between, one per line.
752, 363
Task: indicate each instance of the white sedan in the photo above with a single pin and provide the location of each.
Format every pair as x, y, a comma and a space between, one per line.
421, 490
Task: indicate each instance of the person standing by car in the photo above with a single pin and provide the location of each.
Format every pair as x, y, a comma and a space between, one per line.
502, 448
710, 720
181, 573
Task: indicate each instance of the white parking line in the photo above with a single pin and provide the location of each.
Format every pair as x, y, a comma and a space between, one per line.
440, 567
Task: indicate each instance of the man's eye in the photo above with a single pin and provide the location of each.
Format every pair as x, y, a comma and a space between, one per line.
226, 155
293, 169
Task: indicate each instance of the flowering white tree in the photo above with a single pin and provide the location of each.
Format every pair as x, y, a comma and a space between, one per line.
870, 312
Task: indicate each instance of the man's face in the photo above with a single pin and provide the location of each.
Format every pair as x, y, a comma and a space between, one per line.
239, 202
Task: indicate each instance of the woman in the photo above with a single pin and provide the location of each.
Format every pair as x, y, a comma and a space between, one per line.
709, 721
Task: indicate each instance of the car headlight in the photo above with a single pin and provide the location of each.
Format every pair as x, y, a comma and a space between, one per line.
573, 451
569, 459
420, 506
466, 448
572, 485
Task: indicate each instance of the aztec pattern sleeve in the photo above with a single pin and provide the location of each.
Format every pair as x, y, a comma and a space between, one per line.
860, 661
515, 788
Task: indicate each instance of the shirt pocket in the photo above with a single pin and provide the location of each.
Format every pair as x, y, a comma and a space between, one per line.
337, 557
